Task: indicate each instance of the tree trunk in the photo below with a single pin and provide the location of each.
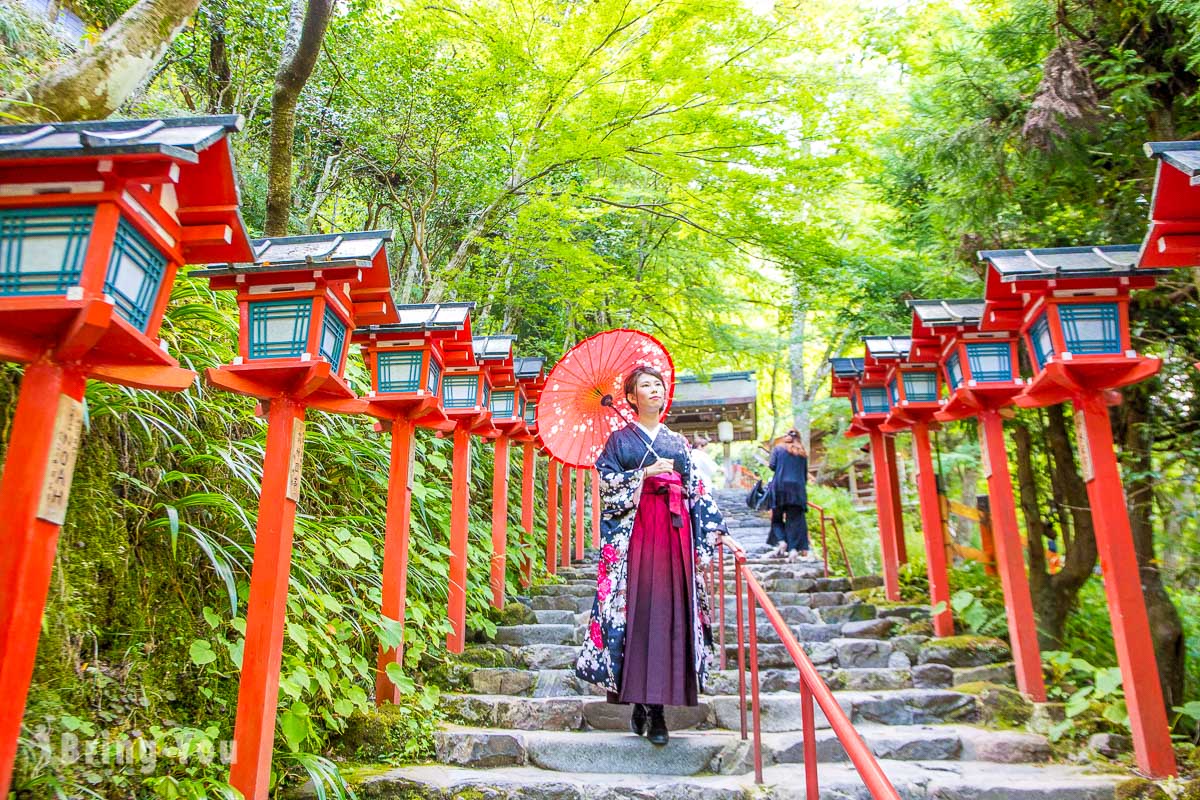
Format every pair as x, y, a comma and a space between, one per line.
1054, 596
220, 80
97, 81
801, 409
1165, 626
306, 30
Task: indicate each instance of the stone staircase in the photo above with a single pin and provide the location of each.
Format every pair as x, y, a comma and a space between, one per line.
525, 727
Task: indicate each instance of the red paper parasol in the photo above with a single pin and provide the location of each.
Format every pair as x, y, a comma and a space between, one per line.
583, 402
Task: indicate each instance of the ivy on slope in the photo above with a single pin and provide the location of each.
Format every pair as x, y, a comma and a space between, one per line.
143, 633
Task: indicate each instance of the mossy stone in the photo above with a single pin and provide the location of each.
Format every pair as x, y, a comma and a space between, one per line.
1190, 791
375, 734
1002, 705
965, 651
515, 614
873, 594
1139, 789
454, 672
918, 627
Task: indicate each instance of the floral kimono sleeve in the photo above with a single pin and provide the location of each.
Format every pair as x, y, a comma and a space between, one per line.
620, 488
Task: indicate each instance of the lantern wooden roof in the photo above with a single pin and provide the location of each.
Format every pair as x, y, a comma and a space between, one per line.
849, 368
700, 404
495, 355
357, 259
191, 155
844, 372
886, 348
445, 326
1172, 239
1017, 278
529, 368
934, 314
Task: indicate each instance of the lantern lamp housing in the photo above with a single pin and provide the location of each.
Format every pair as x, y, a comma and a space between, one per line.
95, 220
297, 311
1173, 237
1073, 307
407, 359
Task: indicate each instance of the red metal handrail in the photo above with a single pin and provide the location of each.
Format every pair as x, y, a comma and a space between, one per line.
812, 687
826, 516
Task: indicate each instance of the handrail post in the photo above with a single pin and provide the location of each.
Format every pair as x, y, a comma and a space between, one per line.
837, 531
755, 704
741, 639
810, 741
824, 544
721, 600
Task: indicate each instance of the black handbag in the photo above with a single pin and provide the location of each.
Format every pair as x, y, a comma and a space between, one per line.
760, 497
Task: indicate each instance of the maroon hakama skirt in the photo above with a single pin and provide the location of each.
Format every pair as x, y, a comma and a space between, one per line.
660, 653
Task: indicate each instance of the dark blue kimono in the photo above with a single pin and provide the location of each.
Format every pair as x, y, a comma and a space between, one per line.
621, 468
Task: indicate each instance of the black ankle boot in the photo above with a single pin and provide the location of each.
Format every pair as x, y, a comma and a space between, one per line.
637, 720
658, 726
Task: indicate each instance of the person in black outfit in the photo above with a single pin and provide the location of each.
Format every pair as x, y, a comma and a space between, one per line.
789, 462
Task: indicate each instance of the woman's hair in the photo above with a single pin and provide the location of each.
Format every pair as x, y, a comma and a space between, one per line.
631, 380
793, 444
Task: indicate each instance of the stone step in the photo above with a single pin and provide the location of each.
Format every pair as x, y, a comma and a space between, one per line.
608, 752
544, 602
571, 713
864, 680
853, 612
577, 589
944, 780
530, 683
539, 634
693, 752
556, 617
562, 602
780, 710
545, 656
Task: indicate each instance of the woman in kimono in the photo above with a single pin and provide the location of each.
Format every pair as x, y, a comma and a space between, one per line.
649, 641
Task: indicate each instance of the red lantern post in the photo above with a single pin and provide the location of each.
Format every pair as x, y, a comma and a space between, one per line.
867, 392
95, 220
565, 502
296, 305
406, 358
466, 399
580, 530
531, 375
893, 471
981, 369
508, 420
914, 394
1072, 305
551, 515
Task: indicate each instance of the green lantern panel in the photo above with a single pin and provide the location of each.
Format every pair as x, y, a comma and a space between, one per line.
920, 387
531, 413
991, 362
1043, 344
42, 249
279, 328
435, 373
954, 373
398, 370
135, 272
460, 391
333, 338
1091, 328
875, 400
503, 403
